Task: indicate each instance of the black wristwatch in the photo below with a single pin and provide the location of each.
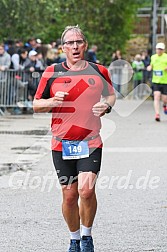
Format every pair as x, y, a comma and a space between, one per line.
108, 110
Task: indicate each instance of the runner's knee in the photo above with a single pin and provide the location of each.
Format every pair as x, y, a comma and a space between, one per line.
164, 98
70, 198
157, 96
86, 193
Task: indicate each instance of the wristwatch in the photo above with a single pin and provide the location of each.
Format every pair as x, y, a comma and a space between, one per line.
108, 110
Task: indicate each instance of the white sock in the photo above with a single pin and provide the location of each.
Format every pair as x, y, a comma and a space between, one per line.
75, 235
86, 231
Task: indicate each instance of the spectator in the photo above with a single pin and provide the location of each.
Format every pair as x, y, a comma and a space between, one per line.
53, 57
53, 44
31, 66
40, 65
91, 54
5, 59
61, 54
11, 47
31, 44
117, 65
138, 67
19, 59
116, 55
18, 83
146, 60
18, 45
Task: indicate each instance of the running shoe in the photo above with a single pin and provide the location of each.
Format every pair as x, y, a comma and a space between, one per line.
157, 117
165, 109
74, 246
87, 244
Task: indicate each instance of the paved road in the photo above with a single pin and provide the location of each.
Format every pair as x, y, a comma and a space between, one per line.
131, 190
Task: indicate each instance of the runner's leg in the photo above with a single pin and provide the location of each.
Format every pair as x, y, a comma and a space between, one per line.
67, 174
88, 202
70, 207
157, 97
164, 99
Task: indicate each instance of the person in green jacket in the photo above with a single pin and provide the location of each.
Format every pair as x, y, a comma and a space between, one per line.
138, 68
159, 79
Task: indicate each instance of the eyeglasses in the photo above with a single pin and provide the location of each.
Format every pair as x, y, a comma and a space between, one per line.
71, 43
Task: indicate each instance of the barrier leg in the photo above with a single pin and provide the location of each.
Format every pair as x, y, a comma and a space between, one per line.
1, 112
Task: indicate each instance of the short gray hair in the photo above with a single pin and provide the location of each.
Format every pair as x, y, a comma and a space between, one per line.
75, 29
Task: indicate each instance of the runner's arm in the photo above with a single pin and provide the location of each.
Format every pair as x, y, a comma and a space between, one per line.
149, 68
46, 105
99, 109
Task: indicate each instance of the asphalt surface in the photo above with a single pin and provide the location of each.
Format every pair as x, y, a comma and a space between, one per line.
131, 189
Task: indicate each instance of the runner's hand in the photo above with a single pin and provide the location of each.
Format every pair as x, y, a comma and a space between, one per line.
99, 109
149, 68
58, 98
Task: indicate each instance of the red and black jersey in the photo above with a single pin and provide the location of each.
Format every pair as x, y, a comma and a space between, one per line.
74, 120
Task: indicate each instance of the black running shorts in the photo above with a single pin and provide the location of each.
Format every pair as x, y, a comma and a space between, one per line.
68, 170
160, 87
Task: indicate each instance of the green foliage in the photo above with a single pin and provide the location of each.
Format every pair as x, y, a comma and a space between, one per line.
106, 23
23, 19
149, 3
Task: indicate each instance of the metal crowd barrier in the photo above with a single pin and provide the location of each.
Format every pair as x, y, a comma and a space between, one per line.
15, 87
121, 75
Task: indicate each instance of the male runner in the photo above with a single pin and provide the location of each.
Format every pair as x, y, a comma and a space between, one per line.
159, 79
73, 91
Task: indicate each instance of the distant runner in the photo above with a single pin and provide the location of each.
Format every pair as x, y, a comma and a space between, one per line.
159, 67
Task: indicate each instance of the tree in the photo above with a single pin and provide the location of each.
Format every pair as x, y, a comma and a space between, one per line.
107, 23
22, 18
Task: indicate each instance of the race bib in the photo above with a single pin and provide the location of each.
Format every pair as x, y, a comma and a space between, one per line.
74, 149
158, 73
